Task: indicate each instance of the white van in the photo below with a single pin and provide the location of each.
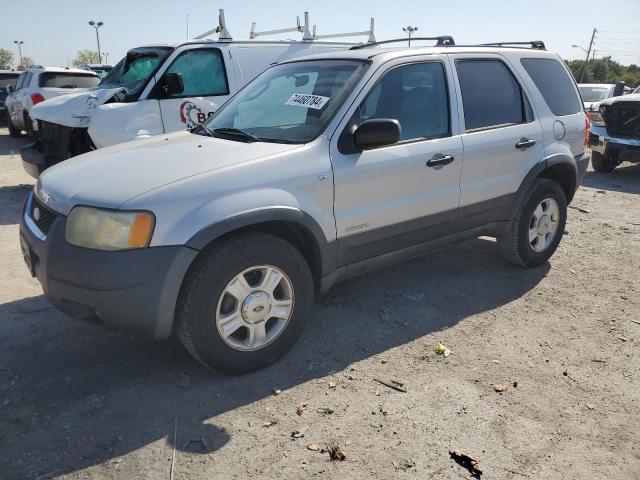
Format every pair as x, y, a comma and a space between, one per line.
155, 89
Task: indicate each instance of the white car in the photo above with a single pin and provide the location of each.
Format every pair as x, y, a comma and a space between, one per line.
593, 93
37, 84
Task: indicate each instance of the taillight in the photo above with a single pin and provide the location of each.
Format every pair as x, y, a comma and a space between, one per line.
587, 127
36, 98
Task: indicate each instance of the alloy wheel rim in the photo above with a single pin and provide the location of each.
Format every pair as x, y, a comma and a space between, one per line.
255, 308
543, 225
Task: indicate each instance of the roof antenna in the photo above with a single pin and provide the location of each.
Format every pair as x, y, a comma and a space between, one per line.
304, 29
221, 30
370, 33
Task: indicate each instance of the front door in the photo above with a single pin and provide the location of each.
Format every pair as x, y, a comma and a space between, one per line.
400, 195
206, 88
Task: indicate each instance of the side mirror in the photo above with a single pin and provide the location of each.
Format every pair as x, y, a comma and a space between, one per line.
173, 84
377, 132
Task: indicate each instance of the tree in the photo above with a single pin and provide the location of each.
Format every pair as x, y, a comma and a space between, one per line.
86, 56
6, 59
26, 63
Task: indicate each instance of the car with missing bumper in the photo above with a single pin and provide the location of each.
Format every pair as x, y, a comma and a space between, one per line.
615, 132
321, 168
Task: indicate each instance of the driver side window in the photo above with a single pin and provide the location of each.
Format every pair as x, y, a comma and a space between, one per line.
416, 96
202, 71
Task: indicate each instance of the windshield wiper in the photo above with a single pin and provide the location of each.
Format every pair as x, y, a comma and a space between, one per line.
238, 132
203, 127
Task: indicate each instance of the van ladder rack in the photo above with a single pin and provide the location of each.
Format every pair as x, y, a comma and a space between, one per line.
304, 29
372, 36
441, 41
221, 29
537, 44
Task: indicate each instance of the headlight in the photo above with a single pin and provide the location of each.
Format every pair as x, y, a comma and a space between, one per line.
596, 117
109, 229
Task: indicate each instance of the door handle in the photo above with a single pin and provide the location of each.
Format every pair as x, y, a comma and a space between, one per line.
525, 143
439, 159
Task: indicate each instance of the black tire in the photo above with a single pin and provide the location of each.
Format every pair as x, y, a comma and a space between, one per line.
28, 126
515, 246
602, 163
205, 283
13, 131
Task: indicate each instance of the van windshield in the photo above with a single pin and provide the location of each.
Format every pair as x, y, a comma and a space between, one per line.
288, 103
133, 71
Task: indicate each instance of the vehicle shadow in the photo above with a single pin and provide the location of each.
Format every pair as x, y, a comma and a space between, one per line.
75, 395
625, 178
12, 198
11, 145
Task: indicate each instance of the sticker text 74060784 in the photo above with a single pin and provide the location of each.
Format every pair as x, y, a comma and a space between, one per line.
309, 101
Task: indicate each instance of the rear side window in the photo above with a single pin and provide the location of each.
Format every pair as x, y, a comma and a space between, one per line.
555, 85
67, 80
202, 71
491, 96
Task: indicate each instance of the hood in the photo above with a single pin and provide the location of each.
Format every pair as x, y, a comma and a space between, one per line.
73, 110
632, 97
111, 176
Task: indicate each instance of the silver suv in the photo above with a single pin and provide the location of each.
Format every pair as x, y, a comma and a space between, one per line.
320, 169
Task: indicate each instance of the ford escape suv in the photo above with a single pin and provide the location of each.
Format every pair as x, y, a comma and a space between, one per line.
321, 168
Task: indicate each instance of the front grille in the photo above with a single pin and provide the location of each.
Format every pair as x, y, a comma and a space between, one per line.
623, 119
59, 142
41, 215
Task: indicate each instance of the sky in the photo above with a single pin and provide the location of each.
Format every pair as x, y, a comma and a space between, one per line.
53, 31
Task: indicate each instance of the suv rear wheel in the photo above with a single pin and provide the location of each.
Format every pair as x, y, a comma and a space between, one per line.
602, 163
13, 131
538, 227
244, 303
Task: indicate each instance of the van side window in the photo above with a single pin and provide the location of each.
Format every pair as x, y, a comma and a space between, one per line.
202, 71
416, 96
491, 96
555, 85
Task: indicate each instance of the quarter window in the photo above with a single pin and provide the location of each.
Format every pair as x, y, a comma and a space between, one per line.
491, 96
416, 96
202, 71
555, 85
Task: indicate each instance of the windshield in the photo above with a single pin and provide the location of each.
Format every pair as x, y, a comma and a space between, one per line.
288, 103
102, 71
68, 80
593, 94
6, 80
133, 71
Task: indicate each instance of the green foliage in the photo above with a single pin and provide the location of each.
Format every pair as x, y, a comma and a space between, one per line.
86, 56
6, 59
605, 70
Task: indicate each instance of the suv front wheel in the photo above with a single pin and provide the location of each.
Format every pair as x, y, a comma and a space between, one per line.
603, 163
538, 227
245, 302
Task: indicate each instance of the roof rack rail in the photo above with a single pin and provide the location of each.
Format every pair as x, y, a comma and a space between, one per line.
537, 44
441, 41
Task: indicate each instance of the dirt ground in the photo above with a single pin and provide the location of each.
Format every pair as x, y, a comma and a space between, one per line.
78, 401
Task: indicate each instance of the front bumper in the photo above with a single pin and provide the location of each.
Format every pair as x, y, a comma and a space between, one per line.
608, 145
133, 290
33, 161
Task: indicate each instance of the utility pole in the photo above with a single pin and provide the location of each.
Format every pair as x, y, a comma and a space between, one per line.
584, 66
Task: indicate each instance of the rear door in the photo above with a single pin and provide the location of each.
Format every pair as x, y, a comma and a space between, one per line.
501, 136
400, 195
206, 87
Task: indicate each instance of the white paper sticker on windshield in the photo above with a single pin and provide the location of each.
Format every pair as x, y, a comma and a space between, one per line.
309, 101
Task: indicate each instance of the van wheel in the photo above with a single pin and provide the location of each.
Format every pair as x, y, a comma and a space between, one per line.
244, 302
602, 164
13, 131
538, 227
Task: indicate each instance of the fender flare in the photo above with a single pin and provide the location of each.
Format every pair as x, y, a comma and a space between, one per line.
563, 160
326, 249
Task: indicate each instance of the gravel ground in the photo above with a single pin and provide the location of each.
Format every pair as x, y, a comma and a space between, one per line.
79, 401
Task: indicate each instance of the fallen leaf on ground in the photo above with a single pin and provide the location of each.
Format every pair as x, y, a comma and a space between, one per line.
335, 451
332, 385
301, 408
440, 349
270, 423
500, 387
314, 447
299, 432
467, 462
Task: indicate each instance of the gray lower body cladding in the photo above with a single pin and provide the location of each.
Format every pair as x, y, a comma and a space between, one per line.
134, 290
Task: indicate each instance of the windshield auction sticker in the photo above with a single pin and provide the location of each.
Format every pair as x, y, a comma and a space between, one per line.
309, 101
